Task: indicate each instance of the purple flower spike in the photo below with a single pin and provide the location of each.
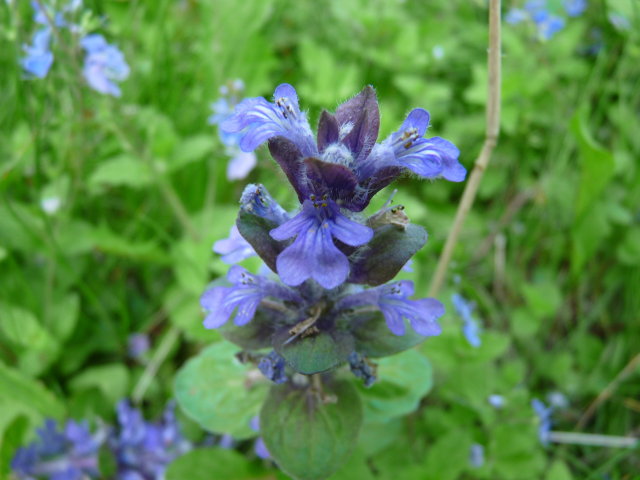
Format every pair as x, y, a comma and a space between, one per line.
392, 300
245, 296
429, 158
259, 121
235, 248
313, 253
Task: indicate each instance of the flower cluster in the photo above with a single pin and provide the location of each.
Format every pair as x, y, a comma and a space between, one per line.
241, 162
334, 265
104, 63
142, 449
67, 454
547, 22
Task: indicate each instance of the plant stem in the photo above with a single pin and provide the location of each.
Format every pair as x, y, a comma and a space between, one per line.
491, 138
158, 358
593, 440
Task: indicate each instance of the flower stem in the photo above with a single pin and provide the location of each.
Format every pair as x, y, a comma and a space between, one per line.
491, 138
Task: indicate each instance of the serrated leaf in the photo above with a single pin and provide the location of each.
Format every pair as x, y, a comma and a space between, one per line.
402, 382
308, 438
215, 390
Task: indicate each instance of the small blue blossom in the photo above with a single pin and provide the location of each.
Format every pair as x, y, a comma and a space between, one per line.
313, 254
260, 120
537, 11
69, 454
38, 58
259, 447
557, 400
619, 21
104, 65
273, 366
476, 455
496, 401
544, 419
429, 158
256, 200
144, 449
138, 344
241, 162
575, 8
235, 248
245, 295
516, 15
470, 326
362, 368
392, 300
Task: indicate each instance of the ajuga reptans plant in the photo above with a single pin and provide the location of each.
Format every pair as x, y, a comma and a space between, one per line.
329, 298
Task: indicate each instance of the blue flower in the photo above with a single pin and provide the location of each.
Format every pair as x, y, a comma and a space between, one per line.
273, 366
258, 201
515, 16
104, 64
362, 368
38, 59
476, 455
138, 344
544, 420
344, 162
313, 254
470, 327
259, 447
547, 23
260, 120
496, 401
235, 248
392, 300
244, 296
575, 8
429, 158
241, 162
144, 449
69, 454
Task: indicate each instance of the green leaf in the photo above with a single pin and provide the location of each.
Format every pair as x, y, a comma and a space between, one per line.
255, 335
516, 452
255, 230
122, 170
10, 440
628, 251
402, 382
374, 339
112, 380
386, 254
309, 438
216, 390
31, 394
448, 457
64, 314
22, 328
314, 354
209, 464
598, 165
191, 150
558, 471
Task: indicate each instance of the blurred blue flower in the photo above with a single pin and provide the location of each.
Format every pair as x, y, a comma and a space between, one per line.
547, 24
273, 366
259, 447
138, 344
144, 449
235, 248
69, 454
241, 162
575, 8
496, 401
619, 21
470, 326
476, 455
544, 419
104, 64
38, 58
516, 15
557, 400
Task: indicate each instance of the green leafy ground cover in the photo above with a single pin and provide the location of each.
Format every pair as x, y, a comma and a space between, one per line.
550, 252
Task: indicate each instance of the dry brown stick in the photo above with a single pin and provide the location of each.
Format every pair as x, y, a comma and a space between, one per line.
491, 138
608, 391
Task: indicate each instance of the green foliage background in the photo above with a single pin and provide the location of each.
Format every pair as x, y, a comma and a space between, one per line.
550, 252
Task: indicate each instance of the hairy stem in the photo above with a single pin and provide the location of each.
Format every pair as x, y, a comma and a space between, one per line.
491, 138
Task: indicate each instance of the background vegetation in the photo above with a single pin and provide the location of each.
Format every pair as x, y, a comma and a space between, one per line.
550, 253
